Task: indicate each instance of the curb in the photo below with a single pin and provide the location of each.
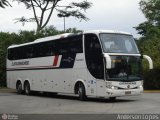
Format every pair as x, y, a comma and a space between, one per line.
151, 91
7, 90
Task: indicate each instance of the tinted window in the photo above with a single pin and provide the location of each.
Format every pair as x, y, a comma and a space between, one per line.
62, 46
93, 54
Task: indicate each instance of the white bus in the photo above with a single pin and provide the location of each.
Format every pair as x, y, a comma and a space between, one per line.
99, 63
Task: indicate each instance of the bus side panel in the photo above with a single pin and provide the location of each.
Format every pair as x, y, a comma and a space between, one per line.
81, 73
11, 76
101, 88
79, 70
11, 83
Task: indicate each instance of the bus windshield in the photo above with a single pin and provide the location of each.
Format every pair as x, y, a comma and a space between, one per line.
118, 43
125, 68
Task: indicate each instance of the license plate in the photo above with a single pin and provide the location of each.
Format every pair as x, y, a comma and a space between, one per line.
127, 92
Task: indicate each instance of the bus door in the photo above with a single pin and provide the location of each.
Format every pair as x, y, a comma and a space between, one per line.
94, 62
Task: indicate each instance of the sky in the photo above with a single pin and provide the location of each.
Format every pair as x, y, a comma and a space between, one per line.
120, 15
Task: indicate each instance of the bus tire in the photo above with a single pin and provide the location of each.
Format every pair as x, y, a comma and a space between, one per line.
81, 92
19, 87
27, 88
112, 98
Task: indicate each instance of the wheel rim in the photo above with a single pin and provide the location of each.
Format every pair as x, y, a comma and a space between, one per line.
19, 88
27, 89
80, 91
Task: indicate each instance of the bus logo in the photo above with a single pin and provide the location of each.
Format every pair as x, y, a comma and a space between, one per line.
4, 116
69, 59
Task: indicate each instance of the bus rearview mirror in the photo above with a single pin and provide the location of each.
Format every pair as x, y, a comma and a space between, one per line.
108, 61
149, 61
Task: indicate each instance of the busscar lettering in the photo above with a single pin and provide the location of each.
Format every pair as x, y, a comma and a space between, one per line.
128, 83
20, 63
79, 59
69, 59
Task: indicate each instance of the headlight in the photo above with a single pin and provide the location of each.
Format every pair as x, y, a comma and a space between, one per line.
140, 86
114, 87
109, 85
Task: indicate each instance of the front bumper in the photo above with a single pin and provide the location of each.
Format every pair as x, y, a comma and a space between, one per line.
125, 92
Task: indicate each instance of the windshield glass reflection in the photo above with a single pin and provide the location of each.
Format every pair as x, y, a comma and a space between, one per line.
118, 43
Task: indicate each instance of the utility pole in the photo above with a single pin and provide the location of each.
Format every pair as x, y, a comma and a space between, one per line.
64, 23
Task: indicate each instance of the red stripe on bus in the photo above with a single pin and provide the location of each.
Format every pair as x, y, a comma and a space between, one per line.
55, 60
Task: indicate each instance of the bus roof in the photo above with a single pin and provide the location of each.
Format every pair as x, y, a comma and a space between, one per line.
45, 39
67, 35
106, 31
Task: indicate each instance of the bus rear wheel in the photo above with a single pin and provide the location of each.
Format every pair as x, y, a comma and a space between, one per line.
19, 87
81, 92
27, 88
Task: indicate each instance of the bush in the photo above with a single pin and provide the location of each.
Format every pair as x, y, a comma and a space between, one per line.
151, 46
152, 79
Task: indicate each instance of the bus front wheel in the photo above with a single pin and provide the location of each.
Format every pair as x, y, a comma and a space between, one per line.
112, 98
81, 92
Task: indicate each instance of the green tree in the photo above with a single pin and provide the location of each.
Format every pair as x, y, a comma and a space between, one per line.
49, 31
151, 10
73, 30
47, 6
6, 39
150, 42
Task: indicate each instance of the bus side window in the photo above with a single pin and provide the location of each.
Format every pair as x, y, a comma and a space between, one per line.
15, 53
10, 54
49, 49
69, 45
76, 44
93, 54
62, 46
29, 52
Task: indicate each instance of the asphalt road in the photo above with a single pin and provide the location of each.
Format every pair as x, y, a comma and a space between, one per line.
11, 102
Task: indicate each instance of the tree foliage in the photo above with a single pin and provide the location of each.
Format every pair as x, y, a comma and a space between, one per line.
74, 9
151, 10
4, 3
150, 41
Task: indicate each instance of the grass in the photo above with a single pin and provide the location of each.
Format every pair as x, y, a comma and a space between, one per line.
2, 87
151, 91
